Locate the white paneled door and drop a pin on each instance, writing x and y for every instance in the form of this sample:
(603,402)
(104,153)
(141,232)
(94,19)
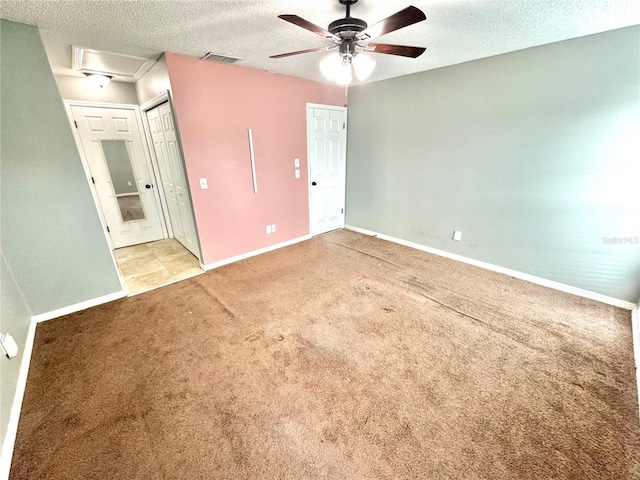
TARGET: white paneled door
(172,175)
(121,173)
(327,139)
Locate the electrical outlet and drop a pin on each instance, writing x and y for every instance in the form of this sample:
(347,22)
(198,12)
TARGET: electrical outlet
(203,184)
(273,228)
(268,229)
(297,173)
(9,346)
(296,163)
(457,235)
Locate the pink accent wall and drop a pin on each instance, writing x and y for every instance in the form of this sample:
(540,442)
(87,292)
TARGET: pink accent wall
(215,104)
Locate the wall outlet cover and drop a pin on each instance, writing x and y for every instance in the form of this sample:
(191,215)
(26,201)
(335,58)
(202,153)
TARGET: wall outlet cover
(273,228)
(203,184)
(9,345)
(457,235)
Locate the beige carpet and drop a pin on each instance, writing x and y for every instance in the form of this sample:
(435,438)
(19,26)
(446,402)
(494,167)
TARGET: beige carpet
(343,357)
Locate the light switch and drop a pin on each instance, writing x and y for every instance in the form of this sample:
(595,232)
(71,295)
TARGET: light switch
(297,173)
(203,184)
(296,163)
(457,235)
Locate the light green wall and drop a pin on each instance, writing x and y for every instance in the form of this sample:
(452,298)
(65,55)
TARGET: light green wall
(533,155)
(51,234)
(154,82)
(14,318)
(80,88)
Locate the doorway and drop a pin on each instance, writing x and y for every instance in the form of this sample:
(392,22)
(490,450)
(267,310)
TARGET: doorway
(150,265)
(326,145)
(124,179)
(121,173)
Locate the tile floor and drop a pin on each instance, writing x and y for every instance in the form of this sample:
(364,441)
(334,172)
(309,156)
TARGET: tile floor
(151,265)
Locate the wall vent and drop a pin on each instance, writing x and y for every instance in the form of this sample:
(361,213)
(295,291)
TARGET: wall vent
(215,57)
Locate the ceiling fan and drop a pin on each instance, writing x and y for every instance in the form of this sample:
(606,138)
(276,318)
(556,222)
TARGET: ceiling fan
(351,36)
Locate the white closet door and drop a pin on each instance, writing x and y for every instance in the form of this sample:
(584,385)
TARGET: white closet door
(172,174)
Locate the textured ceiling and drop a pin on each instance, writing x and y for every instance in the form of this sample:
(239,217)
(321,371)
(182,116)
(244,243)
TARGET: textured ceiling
(455,30)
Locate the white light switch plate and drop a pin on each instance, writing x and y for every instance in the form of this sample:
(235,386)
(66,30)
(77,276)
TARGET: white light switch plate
(296,163)
(297,173)
(203,184)
(457,235)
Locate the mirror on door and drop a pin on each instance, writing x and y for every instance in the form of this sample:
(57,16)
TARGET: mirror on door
(123,180)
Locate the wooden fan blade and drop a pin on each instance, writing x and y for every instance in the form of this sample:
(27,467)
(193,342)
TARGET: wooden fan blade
(307,25)
(401,19)
(400,50)
(308,50)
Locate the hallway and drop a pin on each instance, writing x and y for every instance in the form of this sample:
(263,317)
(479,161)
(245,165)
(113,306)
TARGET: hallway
(150,265)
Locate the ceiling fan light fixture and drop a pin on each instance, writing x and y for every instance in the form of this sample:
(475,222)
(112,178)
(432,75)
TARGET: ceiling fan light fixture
(99,79)
(363,66)
(350,33)
(343,72)
(330,65)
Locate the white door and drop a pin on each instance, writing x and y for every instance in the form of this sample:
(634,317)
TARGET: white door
(172,175)
(121,172)
(327,139)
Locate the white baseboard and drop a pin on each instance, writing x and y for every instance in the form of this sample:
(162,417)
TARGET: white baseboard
(14,416)
(78,306)
(635,328)
(616,302)
(244,256)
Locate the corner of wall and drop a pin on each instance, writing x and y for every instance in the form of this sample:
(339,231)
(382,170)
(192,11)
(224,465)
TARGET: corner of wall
(15,320)
(9,437)
(55,222)
(153,83)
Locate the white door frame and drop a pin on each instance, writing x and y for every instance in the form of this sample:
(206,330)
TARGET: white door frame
(145,107)
(85,162)
(342,138)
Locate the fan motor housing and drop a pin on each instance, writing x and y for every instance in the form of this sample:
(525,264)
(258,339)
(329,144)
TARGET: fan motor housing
(347,27)
(348,24)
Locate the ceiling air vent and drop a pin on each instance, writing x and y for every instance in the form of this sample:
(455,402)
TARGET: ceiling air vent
(214,57)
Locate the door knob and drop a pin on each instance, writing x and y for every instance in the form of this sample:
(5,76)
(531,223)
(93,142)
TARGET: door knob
(313,183)
(147,186)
